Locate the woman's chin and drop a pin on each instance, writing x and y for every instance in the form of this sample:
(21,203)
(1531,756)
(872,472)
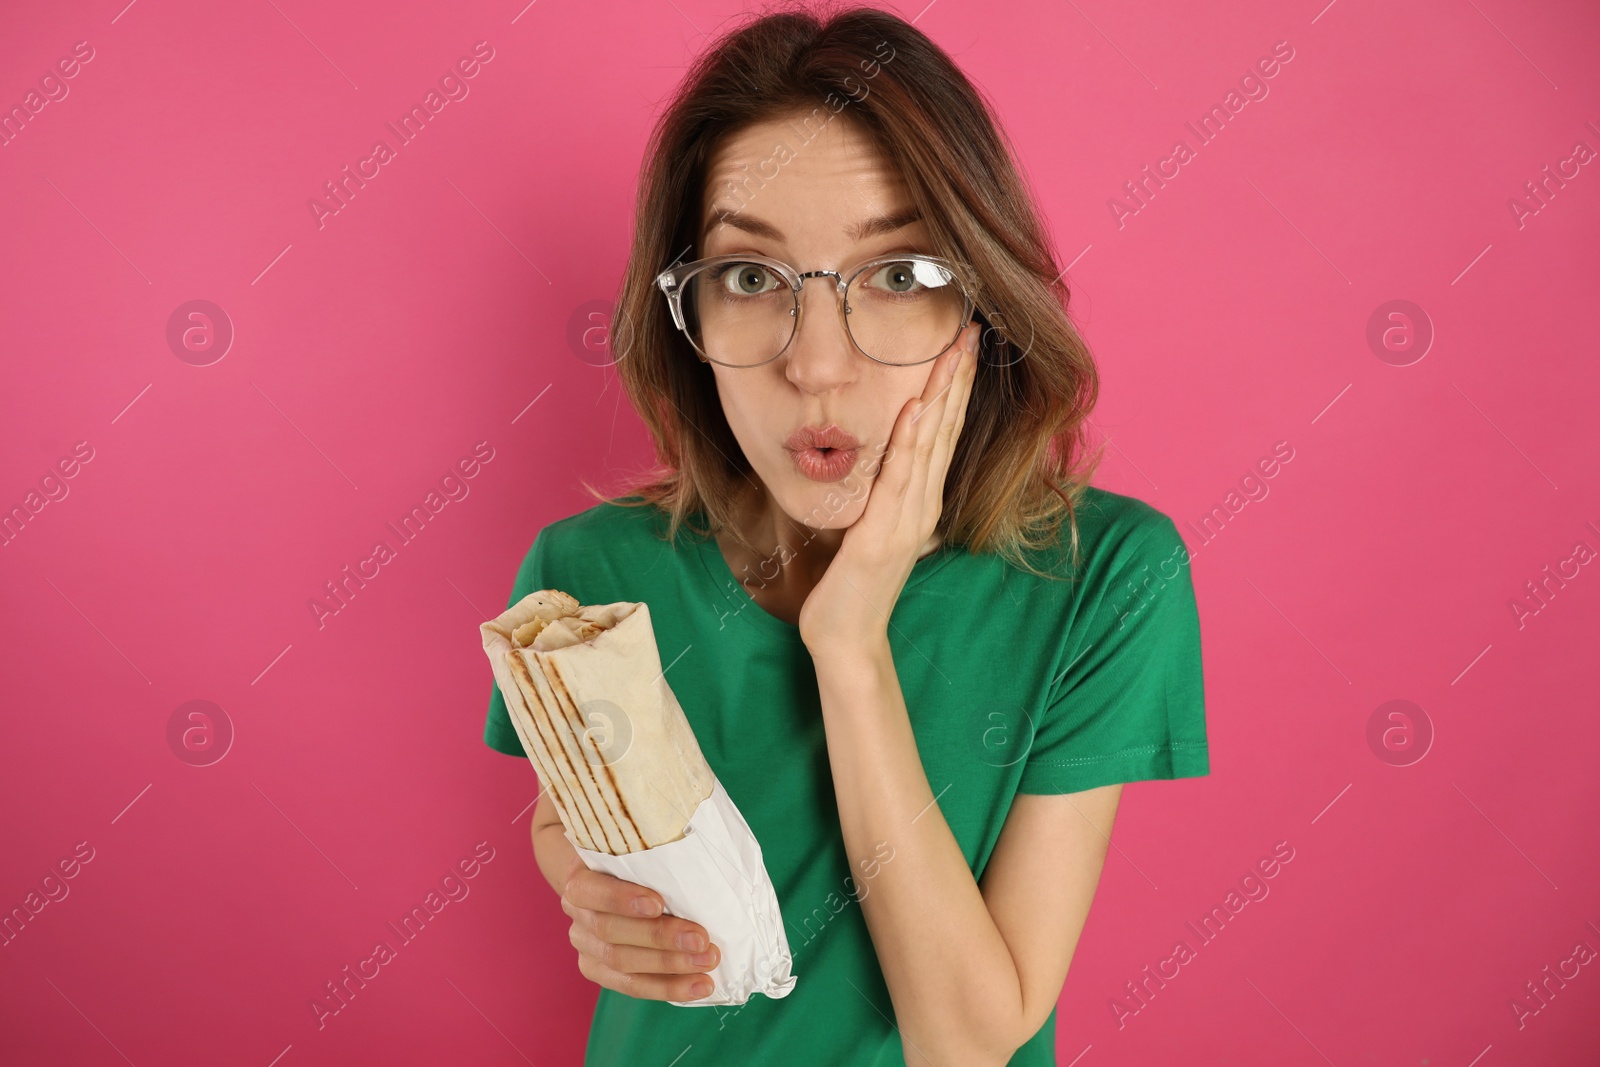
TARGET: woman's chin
(826,505)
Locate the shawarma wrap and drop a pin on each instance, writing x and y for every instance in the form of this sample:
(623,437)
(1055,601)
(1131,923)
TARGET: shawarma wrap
(585,690)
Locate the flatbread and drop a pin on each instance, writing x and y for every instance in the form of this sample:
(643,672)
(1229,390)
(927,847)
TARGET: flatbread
(587,695)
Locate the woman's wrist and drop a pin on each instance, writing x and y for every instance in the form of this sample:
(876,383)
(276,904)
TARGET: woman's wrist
(835,654)
(553,853)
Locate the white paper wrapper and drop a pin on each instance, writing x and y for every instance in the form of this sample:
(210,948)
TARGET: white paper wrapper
(633,792)
(715,876)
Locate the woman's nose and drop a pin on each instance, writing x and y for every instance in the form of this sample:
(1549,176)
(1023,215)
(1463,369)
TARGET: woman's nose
(821,355)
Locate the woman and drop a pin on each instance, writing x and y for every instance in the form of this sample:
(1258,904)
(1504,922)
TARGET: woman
(919,651)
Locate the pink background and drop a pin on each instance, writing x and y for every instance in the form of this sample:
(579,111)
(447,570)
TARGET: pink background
(372,353)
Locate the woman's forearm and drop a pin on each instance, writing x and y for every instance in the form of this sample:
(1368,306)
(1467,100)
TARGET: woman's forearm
(553,853)
(957,996)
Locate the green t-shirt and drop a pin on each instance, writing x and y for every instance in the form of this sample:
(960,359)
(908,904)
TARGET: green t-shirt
(1013,683)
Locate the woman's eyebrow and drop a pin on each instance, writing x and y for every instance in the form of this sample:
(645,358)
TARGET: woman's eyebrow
(861,231)
(882,224)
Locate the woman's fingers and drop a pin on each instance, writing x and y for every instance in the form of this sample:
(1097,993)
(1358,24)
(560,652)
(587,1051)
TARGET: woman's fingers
(955,417)
(635,960)
(914,430)
(931,424)
(599,891)
(931,405)
(646,986)
(635,950)
(666,933)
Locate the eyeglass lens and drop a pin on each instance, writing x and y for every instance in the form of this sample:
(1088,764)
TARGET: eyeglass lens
(906,311)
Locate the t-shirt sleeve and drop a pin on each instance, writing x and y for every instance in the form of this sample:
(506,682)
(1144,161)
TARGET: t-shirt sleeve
(498,733)
(1129,702)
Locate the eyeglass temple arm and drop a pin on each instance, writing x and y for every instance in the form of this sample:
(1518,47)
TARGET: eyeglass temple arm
(669,285)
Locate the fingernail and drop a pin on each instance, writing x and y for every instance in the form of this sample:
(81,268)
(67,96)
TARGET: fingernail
(703,959)
(646,906)
(691,942)
(701,988)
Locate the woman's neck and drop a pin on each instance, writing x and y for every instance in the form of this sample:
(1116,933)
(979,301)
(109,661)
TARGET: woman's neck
(779,538)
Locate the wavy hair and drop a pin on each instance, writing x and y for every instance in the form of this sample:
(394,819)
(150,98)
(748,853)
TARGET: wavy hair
(1021,464)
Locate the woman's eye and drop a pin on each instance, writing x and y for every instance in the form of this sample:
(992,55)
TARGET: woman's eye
(747,279)
(895,278)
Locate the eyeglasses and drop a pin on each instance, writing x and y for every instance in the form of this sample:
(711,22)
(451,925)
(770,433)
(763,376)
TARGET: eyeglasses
(744,310)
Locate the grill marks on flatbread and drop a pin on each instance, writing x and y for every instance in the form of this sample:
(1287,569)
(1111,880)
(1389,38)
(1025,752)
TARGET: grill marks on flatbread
(560,622)
(610,795)
(565,784)
(553,660)
(567,728)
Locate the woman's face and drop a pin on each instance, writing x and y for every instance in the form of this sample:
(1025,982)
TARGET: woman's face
(811,215)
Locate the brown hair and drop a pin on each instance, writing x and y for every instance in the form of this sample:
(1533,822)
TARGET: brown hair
(1019,468)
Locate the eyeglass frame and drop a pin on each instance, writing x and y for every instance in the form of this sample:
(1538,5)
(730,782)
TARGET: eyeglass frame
(671,283)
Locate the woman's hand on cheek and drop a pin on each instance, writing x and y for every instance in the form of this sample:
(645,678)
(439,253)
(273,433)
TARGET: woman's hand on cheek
(851,605)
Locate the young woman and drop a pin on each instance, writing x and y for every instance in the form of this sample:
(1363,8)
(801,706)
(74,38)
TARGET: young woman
(919,651)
